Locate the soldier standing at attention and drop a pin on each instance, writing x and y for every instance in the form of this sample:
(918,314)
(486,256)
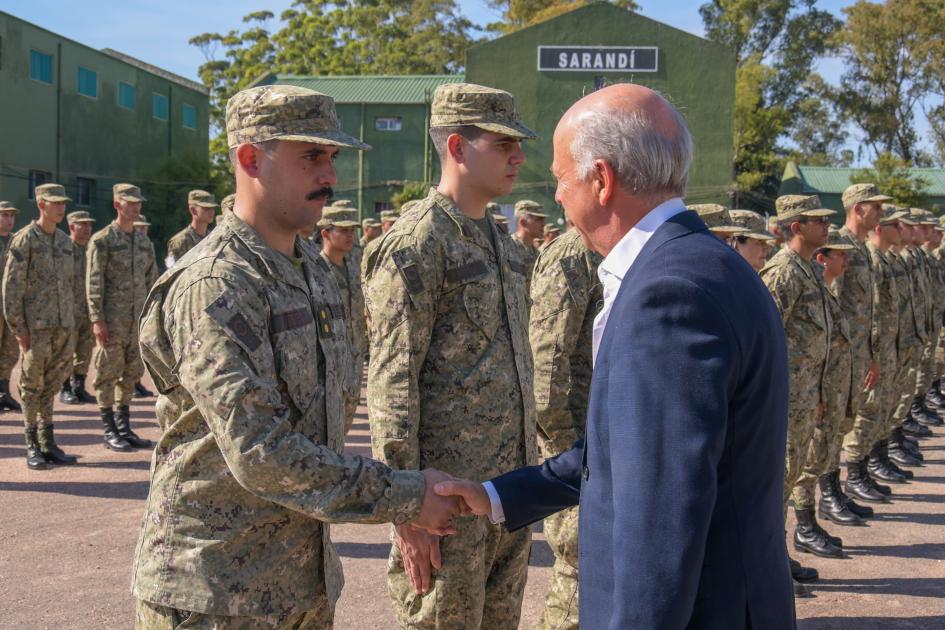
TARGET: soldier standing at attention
(799,294)
(9,349)
(121,270)
(73,390)
(249,357)
(450,374)
(337,227)
(529,224)
(202,206)
(551,232)
(38,307)
(566,296)
(754,244)
(388,219)
(371,229)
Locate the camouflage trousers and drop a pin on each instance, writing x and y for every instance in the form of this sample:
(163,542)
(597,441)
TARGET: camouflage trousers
(903,389)
(561,600)
(823,454)
(45,365)
(84,342)
(9,350)
(868,410)
(118,365)
(801,419)
(150,616)
(940,354)
(925,367)
(480,584)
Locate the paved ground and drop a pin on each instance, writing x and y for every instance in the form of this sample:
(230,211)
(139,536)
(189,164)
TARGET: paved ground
(67,536)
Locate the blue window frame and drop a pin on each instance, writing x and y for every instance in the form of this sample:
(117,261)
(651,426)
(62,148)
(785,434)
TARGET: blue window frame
(126,95)
(87,82)
(189,114)
(159,106)
(40,67)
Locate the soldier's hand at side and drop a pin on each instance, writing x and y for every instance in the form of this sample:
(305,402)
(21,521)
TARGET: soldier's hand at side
(474,497)
(872,377)
(100,329)
(420,552)
(436,512)
(24,342)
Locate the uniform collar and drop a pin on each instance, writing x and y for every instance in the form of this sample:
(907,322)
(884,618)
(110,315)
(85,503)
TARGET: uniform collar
(278,266)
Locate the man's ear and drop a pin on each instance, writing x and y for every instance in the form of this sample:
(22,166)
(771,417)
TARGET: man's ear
(603,181)
(248,156)
(456,148)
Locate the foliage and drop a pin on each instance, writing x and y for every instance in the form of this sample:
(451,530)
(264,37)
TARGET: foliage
(517,14)
(411,191)
(891,174)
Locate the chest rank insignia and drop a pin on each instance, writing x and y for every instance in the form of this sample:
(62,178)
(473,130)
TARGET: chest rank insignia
(324,321)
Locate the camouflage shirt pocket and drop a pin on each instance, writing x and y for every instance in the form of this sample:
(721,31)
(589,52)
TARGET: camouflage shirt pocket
(295,350)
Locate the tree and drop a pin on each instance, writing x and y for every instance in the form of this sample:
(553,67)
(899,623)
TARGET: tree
(819,134)
(776,43)
(329,37)
(410,191)
(517,14)
(886,51)
(891,174)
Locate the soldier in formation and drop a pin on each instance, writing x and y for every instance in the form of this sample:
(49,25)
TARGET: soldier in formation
(529,223)
(370,230)
(73,390)
(9,349)
(202,207)
(755,244)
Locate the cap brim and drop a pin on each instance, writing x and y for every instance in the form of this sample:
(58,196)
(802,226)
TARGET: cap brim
(206,204)
(341,224)
(331,138)
(56,199)
(840,247)
(127,197)
(877,198)
(819,212)
(760,236)
(729,229)
(516,130)
(10,210)
(82,221)
(907,221)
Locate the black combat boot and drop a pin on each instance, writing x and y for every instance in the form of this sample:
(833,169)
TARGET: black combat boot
(34,454)
(879,465)
(123,424)
(941,388)
(142,392)
(66,395)
(934,395)
(922,414)
(7,402)
(802,573)
(902,451)
(51,450)
(832,506)
(863,511)
(113,440)
(78,388)
(809,539)
(911,427)
(858,485)
(801,591)
(836,541)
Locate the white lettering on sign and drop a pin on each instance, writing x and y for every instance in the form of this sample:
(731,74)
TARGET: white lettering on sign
(590,58)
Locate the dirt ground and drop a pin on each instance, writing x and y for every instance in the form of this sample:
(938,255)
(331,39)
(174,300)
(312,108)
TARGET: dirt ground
(67,537)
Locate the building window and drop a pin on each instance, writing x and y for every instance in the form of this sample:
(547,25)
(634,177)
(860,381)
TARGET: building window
(38,178)
(159,106)
(126,95)
(87,83)
(380,206)
(40,67)
(387,124)
(86,192)
(189,114)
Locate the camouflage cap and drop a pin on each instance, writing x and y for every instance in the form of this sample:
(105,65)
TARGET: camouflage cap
(201,198)
(906,217)
(370,223)
(493,208)
(891,214)
(226,205)
(79,216)
(835,241)
(756,225)
(716,217)
(461,104)
(529,207)
(390,215)
(924,216)
(342,217)
(343,203)
(793,206)
(127,192)
(285,112)
(500,219)
(550,228)
(53,193)
(858,193)
(6,206)
(142,221)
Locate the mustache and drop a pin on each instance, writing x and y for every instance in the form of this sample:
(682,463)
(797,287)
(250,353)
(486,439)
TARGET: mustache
(323,192)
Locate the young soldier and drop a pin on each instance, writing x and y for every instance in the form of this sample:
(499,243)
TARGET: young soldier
(38,306)
(73,389)
(202,206)
(9,349)
(450,374)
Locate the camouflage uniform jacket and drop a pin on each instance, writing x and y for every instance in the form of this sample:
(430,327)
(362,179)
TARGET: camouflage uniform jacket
(838,381)
(121,270)
(938,256)
(450,376)
(4,248)
(936,288)
(907,336)
(248,355)
(856,290)
(348,278)
(529,254)
(37,281)
(566,295)
(183,242)
(920,297)
(798,293)
(885,307)
(79,254)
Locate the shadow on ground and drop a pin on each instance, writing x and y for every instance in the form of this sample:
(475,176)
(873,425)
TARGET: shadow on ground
(137,490)
(912,587)
(871,623)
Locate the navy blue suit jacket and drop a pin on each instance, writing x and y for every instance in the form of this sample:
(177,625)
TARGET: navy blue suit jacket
(680,479)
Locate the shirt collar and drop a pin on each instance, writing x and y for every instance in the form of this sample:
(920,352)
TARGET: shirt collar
(623,255)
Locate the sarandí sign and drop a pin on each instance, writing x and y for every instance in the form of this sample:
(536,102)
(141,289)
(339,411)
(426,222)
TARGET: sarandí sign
(598,58)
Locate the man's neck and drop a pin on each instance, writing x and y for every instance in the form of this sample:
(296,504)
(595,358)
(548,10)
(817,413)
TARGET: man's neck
(75,242)
(125,225)
(526,238)
(199,228)
(335,255)
(283,241)
(46,225)
(802,249)
(470,203)
(859,231)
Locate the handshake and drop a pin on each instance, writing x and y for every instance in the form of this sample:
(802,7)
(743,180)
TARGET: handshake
(444,497)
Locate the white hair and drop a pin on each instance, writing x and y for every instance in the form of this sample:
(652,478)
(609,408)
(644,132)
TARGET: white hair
(645,160)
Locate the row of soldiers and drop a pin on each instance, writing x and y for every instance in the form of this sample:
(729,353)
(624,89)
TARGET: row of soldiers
(863,309)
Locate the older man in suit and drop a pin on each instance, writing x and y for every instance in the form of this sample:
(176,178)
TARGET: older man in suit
(679,479)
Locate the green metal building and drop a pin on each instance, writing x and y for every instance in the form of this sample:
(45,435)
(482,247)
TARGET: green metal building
(547,67)
(828,183)
(88,118)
